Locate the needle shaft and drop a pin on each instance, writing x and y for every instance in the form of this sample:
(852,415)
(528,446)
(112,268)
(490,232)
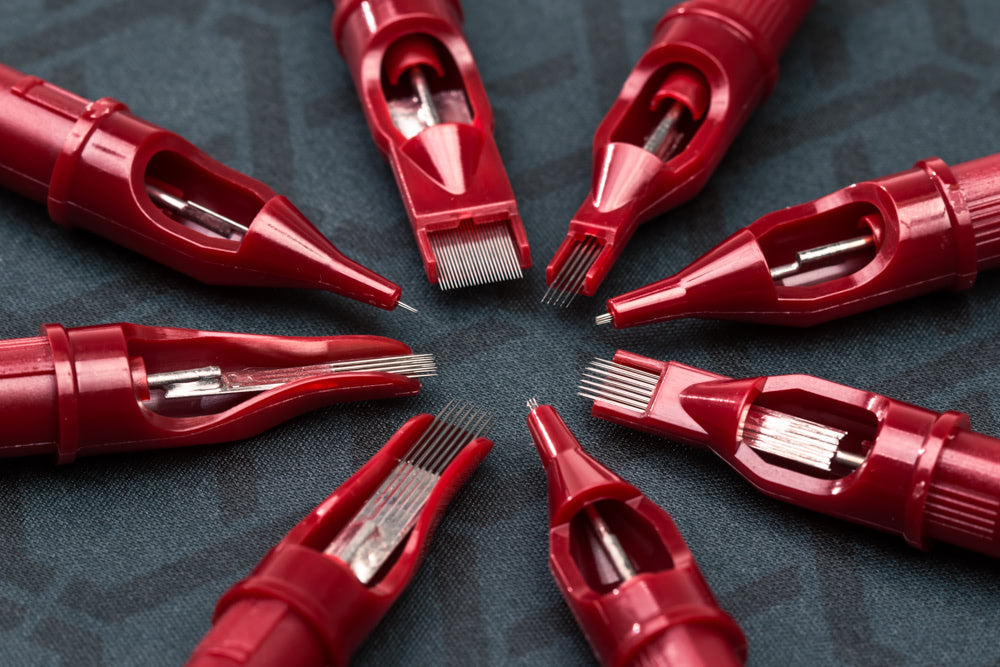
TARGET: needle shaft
(195,212)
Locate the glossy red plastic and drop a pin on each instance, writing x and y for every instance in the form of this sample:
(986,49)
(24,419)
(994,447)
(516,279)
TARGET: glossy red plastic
(934,228)
(91,163)
(300,606)
(718,58)
(449,174)
(925,475)
(665,614)
(84,391)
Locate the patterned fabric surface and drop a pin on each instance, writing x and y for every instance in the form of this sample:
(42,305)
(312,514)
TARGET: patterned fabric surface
(119,560)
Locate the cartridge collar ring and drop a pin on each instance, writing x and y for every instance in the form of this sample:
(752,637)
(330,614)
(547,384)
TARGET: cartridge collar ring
(72,150)
(65,379)
(749,34)
(297,568)
(703,615)
(966,263)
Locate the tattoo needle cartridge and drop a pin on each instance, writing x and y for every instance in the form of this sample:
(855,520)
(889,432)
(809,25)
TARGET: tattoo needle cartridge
(321,590)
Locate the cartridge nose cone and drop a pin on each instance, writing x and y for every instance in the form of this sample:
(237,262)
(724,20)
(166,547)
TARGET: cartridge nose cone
(550,433)
(449,153)
(731,281)
(622,175)
(718,407)
(572,473)
(289,251)
(658,302)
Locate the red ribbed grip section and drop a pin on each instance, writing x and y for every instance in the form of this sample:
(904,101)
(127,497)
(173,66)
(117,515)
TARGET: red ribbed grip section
(979,181)
(963,497)
(775,21)
(954,509)
(767,25)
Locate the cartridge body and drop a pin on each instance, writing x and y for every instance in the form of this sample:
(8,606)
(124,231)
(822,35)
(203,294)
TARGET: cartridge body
(96,166)
(303,606)
(711,63)
(85,391)
(894,466)
(429,115)
(643,601)
(926,229)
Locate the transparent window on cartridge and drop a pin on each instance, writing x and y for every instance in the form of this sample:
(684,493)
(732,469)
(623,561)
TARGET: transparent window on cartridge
(417,93)
(807,433)
(198,199)
(659,120)
(611,543)
(822,247)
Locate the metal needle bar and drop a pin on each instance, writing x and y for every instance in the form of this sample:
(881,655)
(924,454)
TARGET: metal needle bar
(848,459)
(195,212)
(423,90)
(609,542)
(805,258)
(161,380)
(665,136)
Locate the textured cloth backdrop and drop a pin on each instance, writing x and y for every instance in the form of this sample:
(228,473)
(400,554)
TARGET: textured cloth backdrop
(119,560)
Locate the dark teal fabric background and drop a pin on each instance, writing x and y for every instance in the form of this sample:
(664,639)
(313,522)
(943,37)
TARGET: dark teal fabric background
(119,560)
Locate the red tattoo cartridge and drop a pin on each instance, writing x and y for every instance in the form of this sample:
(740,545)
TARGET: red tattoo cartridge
(711,64)
(98,167)
(926,229)
(317,594)
(125,387)
(429,115)
(820,445)
(622,565)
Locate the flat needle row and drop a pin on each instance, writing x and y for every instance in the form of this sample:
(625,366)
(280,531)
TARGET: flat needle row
(371,536)
(475,255)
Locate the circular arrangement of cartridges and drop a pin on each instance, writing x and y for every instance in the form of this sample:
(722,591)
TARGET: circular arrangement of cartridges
(390,527)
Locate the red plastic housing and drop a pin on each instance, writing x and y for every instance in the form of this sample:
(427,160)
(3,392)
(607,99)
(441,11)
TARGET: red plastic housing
(92,162)
(450,174)
(719,59)
(933,228)
(300,606)
(84,391)
(665,614)
(924,474)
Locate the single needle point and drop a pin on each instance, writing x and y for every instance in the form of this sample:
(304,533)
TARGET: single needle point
(603,319)
(406,307)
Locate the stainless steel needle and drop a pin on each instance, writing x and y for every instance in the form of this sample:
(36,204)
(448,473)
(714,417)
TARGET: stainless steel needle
(423,90)
(609,542)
